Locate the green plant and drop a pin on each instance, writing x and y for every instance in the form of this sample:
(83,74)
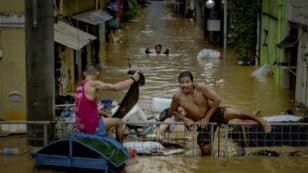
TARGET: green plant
(132,10)
(243,27)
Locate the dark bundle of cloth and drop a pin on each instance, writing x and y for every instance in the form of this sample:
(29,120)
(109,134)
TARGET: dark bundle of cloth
(131,97)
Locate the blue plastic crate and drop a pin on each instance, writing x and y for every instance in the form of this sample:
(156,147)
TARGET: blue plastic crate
(81,150)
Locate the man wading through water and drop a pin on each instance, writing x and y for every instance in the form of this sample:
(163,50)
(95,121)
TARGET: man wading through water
(202,105)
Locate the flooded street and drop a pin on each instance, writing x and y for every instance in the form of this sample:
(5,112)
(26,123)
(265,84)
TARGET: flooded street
(175,164)
(158,24)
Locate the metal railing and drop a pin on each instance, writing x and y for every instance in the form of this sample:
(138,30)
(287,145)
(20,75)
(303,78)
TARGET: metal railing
(225,140)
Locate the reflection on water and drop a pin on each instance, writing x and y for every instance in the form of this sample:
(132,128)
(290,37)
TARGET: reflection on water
(175,164)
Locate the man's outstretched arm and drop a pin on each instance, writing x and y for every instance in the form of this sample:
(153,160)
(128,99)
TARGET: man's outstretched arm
(117,86)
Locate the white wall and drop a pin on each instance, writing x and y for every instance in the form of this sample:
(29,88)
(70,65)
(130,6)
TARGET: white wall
(298,11)
(301,93)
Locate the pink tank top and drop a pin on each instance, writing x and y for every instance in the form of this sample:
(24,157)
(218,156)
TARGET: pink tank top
(86,111)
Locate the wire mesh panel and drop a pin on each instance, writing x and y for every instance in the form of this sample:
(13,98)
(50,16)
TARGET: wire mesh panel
(242,139)
(166,138)
(63,129)
(250,140)
(64,120)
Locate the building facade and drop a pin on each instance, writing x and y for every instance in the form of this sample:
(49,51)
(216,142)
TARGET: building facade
(76,43)
(273,31)
(12,61)
(298,19)
(284,45)
(85,26)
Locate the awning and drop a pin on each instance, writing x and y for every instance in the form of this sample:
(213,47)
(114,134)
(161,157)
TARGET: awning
(93,17)
(70,36)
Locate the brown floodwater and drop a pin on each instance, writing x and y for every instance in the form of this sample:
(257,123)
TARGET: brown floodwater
(158,24)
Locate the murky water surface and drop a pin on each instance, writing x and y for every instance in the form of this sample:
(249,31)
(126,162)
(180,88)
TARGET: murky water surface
(159,25)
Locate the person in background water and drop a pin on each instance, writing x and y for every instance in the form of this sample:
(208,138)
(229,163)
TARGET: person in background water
(87,117)
(202,104)
(158,50)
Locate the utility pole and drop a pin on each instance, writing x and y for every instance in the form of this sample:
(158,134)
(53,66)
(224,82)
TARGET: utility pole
(39,66)
(225,22)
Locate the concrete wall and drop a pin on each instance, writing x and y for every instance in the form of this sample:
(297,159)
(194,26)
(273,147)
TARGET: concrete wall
(12,65)
(275,23)
(9,6)
(67,70)
(301,92)
(12,73)
(298,14)
(71,7)
(298,11)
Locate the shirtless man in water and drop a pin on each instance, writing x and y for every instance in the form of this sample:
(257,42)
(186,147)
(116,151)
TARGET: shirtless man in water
(202,105)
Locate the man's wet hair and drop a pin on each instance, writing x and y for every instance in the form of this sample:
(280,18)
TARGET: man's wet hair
(91,69)
(186,74)
(158,45)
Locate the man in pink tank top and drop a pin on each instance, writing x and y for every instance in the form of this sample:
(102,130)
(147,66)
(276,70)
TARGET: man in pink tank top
(87,118)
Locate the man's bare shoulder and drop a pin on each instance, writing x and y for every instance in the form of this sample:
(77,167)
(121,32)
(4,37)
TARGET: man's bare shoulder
(94,83)
(200,85)
(177,95)
(203,88)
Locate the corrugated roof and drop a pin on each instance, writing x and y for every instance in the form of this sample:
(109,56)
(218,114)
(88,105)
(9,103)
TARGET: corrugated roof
(93,17)
(70,36)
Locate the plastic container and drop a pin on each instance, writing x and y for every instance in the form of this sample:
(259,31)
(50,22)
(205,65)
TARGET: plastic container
(114,6)
(159,104)
(10,151)
(262,71)
(132,153)
(135,114)
(113,23)
(107,104)
(66,114)
(208,53)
